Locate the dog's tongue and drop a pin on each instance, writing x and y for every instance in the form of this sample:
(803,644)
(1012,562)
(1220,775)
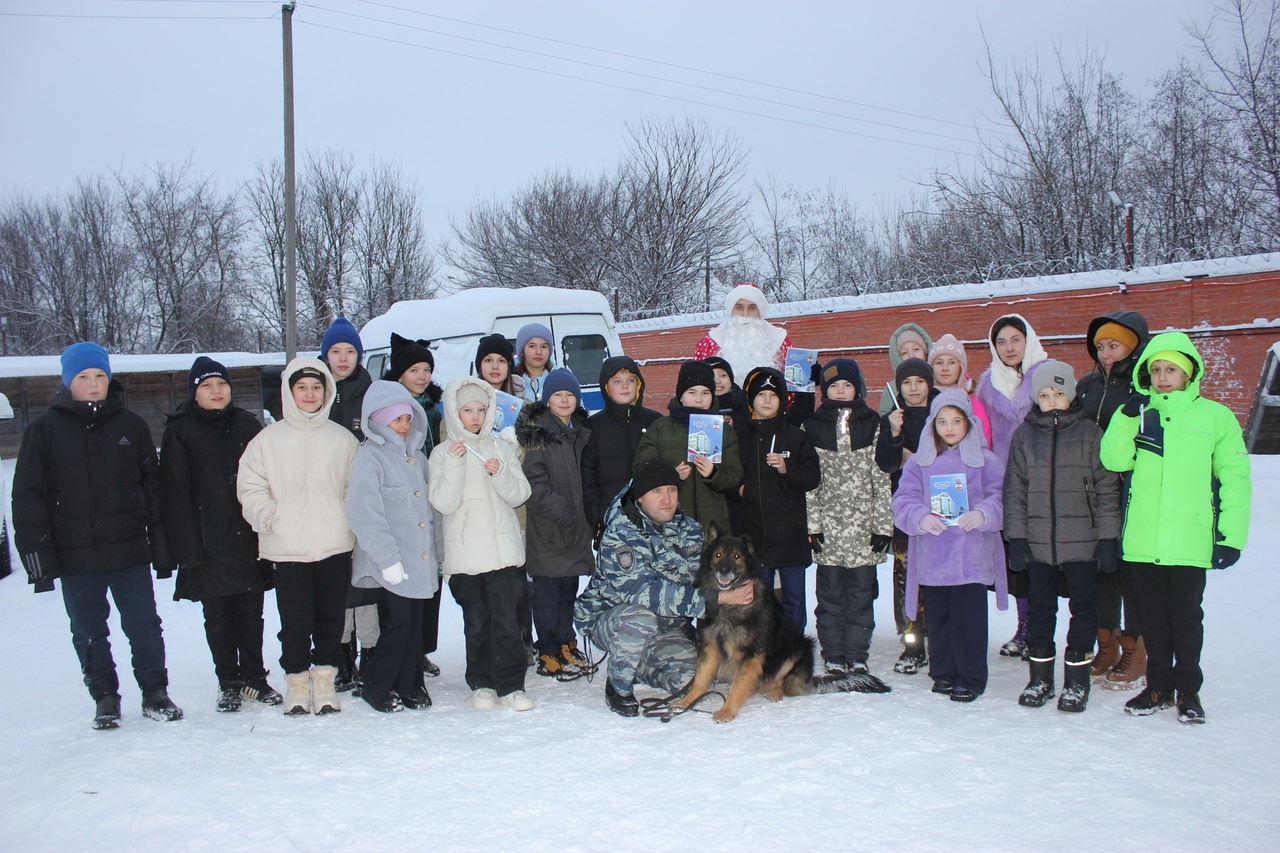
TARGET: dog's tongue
(725,583)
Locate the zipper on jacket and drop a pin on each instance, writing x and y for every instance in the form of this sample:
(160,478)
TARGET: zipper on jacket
(1088,499)
(1053,492)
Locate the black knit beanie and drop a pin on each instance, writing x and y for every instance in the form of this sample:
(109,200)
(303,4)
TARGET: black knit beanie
(405,354)
(694,373)
(651,474)
(495,343)
(205,368)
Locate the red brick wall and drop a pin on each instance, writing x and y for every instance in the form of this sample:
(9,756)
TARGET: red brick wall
(1233,357)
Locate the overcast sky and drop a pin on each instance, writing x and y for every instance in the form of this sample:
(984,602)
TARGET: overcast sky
(472,99)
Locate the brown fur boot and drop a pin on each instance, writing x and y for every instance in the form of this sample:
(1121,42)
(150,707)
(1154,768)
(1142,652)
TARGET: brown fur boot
(1108,651)
(1130,672)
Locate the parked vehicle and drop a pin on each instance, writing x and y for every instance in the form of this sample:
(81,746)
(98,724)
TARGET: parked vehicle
(580,321)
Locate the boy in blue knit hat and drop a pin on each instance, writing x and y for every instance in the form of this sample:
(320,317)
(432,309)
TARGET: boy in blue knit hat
(342,350)
(86,510)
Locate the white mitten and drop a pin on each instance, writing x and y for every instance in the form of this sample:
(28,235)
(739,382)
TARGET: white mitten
(394,574)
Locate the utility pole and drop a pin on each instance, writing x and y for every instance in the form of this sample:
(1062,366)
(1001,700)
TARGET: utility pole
(290,197)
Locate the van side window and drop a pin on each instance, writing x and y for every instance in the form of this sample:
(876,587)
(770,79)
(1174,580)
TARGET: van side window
(583,355)
(377,364)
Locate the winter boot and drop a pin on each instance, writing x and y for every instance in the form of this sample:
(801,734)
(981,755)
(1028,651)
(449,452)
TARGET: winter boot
(1108,651)
(229,696)
(571,654)
(1017,645)
(417,699)
(1040,688)
(555,666)
(323,697)
(913,657)
(156,703)
(623,704)
(429,669)
(1131,670)
(106,694)
(297,693)
(1148,702)
(347,669)
(390,704)
(860,680)
(258,690)
(1189,708)
(1075,681)
(366,655)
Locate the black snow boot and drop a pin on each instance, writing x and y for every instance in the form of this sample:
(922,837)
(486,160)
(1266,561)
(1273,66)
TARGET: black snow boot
(156,703)
(624,704)
(229,696)
(1040,688)
(106,693)
(346,667)
(366,655)
(417,699)
(1075,681)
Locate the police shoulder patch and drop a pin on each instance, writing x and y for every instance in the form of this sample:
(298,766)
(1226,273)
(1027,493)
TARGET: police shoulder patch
(626,558)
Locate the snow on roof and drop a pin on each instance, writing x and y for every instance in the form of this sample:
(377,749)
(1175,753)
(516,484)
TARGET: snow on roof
(473,311)
(979,290)
(14,367)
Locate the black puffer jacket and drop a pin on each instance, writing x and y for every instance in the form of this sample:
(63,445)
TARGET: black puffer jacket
(216,549)
(557,534)
(889,450)
(86,490)
(615,433)
(1057,494)
(1100,395)
(346,405)
(774,509)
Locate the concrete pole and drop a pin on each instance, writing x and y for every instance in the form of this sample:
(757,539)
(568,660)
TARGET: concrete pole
(290,196)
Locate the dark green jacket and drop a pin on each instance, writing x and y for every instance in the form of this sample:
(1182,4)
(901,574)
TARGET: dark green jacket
(701,497)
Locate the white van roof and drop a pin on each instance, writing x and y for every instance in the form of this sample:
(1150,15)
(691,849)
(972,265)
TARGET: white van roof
(473,312)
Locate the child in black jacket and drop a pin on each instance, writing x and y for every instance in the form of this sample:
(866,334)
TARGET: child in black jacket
(86,510)
(899,438)
(779,466)
(615,433)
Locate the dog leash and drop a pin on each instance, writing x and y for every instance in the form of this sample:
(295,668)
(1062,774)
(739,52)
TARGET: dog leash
(664,709)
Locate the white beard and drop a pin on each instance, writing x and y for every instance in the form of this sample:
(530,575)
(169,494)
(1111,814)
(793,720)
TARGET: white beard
(747,343)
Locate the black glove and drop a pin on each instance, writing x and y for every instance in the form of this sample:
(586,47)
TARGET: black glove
(815,374)
(163,572)
(41,567)
(815,542)
(881,543)
(1224,556)
(1105,554)
(1133,406)
(1019,554)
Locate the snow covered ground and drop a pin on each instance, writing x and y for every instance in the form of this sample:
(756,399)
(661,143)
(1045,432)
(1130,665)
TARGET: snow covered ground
(904,771)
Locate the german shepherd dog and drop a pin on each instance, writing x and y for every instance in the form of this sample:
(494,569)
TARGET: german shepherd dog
(753,646)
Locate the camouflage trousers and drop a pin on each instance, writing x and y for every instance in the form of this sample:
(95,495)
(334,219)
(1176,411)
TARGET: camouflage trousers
(646,648)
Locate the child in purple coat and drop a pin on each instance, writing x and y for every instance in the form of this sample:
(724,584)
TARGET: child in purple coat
(949,504)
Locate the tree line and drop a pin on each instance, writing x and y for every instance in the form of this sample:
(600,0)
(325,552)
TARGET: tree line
(170,262)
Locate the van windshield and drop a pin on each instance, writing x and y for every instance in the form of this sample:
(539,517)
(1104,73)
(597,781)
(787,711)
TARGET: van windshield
(583,355)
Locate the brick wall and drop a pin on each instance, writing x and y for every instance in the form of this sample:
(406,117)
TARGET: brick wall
(1219,313)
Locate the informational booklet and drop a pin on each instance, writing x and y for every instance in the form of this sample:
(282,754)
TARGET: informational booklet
(509,407)
(799,368)
(706,437)
(949,496)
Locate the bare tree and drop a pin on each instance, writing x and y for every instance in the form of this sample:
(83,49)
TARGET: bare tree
(329,196)
(186,239)
(555,232)
(678,211)
(1246,83)
(392,257)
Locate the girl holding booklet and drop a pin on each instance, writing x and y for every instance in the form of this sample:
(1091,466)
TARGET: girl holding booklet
(949,501)
(780,467)
(703,483)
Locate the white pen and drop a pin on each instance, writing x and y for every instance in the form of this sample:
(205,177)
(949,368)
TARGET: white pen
(475,453)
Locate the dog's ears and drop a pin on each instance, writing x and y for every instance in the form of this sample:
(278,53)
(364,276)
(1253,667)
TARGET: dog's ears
(713,532)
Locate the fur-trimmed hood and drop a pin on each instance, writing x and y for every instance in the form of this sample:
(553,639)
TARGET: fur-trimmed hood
(537,428)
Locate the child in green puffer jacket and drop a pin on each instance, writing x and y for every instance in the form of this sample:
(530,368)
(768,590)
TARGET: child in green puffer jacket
(1188,511)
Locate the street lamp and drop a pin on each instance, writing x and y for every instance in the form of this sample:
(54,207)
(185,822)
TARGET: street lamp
(1114,198)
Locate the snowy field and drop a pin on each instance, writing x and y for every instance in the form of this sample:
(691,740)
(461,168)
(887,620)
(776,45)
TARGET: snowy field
(904,771)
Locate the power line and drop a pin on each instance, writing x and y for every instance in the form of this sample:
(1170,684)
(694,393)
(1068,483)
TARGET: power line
(642,75)
(670,65)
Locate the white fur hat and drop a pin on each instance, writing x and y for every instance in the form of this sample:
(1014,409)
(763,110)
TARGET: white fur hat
(749,292)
